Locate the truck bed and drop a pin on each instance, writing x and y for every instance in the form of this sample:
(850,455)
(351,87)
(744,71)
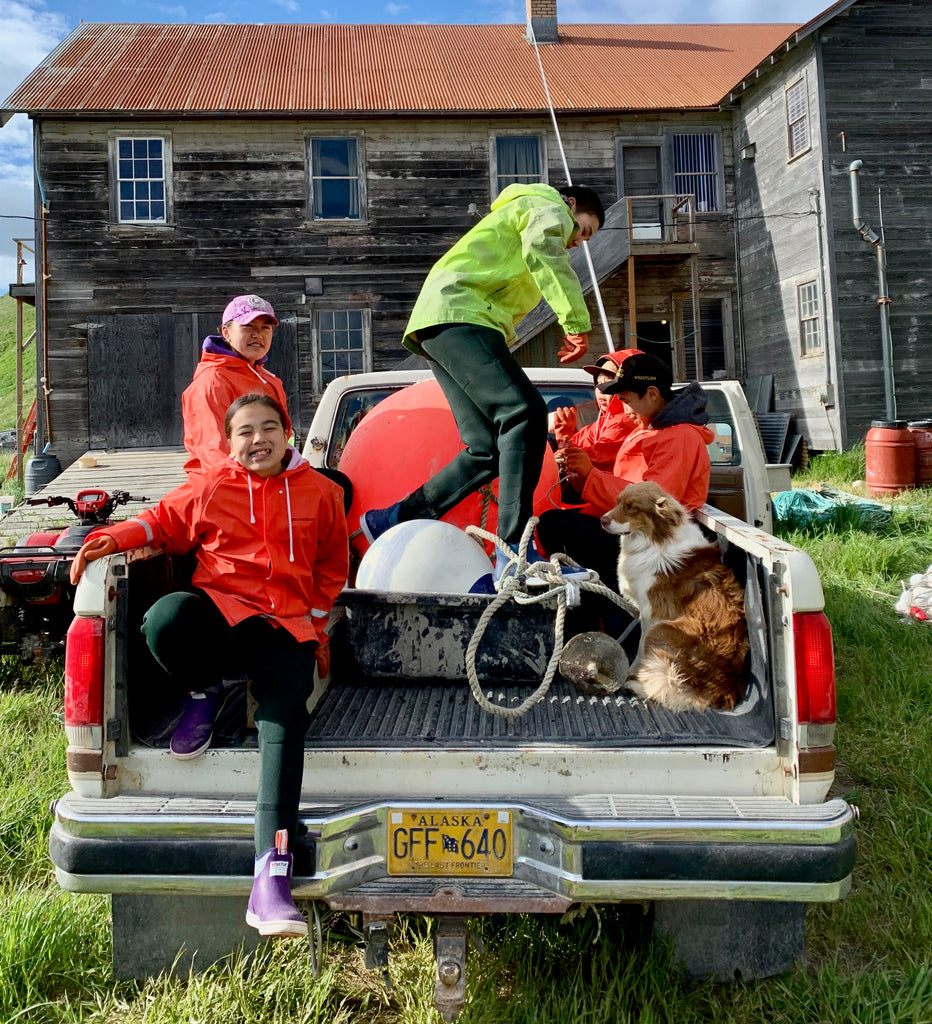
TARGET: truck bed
(424,715)
(371,703)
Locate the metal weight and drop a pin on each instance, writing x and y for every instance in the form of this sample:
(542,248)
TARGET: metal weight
(595,663)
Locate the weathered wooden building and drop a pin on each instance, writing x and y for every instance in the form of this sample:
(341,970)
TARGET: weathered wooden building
(324,173)
(854,84)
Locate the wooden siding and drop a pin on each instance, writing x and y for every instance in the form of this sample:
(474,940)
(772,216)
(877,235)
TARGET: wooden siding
(878,96)
(778,232)
(239,225)
(870,98)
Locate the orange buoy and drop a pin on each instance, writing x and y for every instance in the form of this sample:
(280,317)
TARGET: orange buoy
(405,440)
(890,457)
(922,438)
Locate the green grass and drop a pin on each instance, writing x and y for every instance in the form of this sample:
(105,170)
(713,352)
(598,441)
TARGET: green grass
(869,956)
(8,361)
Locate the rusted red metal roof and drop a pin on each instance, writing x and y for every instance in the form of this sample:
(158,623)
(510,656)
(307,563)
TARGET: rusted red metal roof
(314,68)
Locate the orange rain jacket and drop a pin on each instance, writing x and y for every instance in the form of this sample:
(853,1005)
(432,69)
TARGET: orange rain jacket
(218,380)
(275,547)
(671,451)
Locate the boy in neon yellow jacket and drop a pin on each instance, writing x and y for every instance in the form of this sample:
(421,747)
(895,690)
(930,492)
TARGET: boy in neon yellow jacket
(462,323)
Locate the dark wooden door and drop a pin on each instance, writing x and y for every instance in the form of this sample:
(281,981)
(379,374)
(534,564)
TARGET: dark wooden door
(138,364)
(642,178)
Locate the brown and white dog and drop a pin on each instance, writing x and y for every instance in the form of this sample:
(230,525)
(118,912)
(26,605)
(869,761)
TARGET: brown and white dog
(694,637)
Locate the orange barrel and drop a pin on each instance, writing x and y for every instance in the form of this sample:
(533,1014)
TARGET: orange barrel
(922,438)
(891,457)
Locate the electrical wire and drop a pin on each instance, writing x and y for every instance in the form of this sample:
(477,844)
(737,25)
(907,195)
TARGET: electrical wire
(569,180)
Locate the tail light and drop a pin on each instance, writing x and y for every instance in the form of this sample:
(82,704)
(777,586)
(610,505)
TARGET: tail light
(84,682)
(815,668)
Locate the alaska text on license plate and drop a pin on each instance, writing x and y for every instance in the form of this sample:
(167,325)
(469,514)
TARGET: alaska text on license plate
(428,841)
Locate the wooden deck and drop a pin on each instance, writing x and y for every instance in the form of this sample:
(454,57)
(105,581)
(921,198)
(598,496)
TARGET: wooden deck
(148,473)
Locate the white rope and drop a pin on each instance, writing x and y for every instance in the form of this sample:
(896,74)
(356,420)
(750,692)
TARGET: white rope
(603,316)
(513,586)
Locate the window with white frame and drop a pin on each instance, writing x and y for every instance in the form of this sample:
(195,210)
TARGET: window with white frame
(807,298)
(696,168)
(141,168)
(517,159)
(342,336)
(336,178)
(797,118)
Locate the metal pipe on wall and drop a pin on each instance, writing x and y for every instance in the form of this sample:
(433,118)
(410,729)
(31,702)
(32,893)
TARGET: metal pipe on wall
(883,300)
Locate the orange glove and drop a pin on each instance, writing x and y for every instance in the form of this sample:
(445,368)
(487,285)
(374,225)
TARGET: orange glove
(574,347)
(564,423)
(97,547)
(575,466)
(322,656)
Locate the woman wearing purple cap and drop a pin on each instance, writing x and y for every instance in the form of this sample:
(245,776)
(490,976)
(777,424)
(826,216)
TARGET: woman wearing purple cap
(232,364)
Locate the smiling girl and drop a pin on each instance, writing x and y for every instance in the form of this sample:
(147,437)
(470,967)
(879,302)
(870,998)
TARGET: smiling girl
(270,541)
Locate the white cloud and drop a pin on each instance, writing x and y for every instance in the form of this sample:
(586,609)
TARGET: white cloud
(28,32)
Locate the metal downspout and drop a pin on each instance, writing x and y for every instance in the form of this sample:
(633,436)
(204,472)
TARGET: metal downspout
(883,300)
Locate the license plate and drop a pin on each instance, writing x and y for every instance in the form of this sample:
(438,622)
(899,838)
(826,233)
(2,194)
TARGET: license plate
(460,842)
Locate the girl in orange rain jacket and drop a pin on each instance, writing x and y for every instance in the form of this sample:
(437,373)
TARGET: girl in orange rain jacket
(269,535)
(232,364)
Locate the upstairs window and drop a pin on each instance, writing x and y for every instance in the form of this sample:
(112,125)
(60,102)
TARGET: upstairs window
(807,297)
(141,178)
(336,178)
(696,169)
(343,345)
(797,118)
(517,159)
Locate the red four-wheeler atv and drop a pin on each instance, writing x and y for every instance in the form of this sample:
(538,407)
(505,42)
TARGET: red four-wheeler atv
(36,595)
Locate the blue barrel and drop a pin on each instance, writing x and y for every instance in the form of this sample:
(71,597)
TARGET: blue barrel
(40,470)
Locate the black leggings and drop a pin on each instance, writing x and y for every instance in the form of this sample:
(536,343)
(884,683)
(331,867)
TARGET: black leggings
(191,640)
(502,420)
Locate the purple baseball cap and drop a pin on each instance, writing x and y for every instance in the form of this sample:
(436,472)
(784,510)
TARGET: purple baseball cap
(245,308)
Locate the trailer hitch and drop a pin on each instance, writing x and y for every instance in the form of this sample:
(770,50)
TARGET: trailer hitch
(451,944)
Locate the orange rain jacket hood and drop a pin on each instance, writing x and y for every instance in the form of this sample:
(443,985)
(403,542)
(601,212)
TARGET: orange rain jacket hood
(275,547)
(219,379)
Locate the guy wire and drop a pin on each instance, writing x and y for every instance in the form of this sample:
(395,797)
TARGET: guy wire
(569,180)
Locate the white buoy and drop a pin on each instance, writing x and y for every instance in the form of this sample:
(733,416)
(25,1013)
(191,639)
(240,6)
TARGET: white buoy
(423,556)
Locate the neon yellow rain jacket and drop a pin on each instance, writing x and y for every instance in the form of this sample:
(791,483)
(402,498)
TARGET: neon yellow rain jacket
(498,271)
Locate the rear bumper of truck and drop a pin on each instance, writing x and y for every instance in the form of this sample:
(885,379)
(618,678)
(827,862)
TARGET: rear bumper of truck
(567,850)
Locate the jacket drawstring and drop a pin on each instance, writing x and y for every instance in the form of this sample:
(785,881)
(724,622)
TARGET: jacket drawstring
(256,372)
(252,513)
(290,533)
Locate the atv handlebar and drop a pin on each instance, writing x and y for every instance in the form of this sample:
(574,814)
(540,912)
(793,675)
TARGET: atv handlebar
(90,506)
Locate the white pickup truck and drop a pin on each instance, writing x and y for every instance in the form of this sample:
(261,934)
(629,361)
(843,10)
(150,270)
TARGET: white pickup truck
(719,822)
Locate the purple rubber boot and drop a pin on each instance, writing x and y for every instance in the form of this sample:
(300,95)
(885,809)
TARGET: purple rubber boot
(195,730)
(271,909)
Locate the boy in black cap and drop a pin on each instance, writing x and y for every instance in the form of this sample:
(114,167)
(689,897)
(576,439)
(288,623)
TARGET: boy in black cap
(670,448)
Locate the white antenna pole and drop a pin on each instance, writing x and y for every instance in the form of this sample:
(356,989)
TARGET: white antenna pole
(569,180)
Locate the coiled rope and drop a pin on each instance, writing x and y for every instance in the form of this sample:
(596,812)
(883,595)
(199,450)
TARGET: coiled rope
(554,587)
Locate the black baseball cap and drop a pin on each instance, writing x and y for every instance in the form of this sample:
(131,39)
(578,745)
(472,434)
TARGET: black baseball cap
(637,373)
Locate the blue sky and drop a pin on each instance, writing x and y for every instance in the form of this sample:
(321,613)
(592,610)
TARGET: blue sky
(30,29)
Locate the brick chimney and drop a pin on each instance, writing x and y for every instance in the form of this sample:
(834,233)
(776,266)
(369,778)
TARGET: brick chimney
(542,20)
